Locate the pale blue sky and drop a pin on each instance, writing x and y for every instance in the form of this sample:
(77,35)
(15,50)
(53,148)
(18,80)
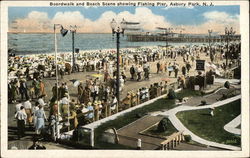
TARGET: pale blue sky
(177,16)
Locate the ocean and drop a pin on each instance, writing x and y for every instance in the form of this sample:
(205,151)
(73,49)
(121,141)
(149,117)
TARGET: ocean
(26,43)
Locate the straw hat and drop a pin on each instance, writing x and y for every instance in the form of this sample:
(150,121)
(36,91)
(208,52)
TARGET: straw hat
(89,104)
(82,105)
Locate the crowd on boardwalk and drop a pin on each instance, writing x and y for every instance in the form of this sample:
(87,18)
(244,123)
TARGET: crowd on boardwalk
(27,75)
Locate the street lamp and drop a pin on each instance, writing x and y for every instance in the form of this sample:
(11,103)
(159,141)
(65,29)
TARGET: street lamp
(167,32)
(228,34)
(73,31)
(63,33)
(117,30)
(209,38)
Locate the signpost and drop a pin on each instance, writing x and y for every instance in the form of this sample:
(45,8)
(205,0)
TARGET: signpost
(200,65)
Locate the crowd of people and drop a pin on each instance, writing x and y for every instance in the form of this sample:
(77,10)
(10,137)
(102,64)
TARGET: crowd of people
(26,81)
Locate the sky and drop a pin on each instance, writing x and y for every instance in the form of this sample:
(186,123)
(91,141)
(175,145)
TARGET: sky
(97,19)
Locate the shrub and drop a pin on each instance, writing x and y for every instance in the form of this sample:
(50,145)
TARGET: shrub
(227,95)
(180,99)
(138,115)
(210,79)
(163,125)
(190,82)
(203,102)
(227,85)
(187,138)
(171,94)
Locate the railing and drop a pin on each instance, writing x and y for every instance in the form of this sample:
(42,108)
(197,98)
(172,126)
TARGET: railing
(172,141)
(134,99)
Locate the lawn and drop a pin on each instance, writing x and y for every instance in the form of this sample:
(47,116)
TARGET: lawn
(161,104)
(211,128)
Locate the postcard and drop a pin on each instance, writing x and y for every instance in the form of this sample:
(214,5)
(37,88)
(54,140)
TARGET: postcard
(124,78)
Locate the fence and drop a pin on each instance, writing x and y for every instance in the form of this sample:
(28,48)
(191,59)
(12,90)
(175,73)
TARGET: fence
(128,141)
(172,141)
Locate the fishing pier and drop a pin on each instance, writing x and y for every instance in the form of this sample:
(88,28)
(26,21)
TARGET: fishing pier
(180,38)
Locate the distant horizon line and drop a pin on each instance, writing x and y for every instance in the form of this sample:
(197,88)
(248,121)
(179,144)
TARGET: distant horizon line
(91,33)
(58,32)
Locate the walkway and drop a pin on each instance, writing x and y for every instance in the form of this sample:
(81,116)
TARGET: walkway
(222,80)
(129,134)
(232,126)
(171,114)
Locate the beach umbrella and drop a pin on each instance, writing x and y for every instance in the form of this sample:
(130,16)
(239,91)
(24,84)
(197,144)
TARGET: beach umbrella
(217,72)
(75,82)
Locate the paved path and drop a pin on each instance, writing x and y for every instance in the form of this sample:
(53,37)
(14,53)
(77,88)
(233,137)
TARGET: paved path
(179,126)
(222,80)
(231,126)
(132,131)
(210,99)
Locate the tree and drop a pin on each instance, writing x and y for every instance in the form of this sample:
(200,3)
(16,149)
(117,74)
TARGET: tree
(171,94)
(163,125)
(227,85)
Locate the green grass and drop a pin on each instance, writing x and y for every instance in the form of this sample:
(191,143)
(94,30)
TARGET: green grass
(211,128)
(161,104)
(239,127)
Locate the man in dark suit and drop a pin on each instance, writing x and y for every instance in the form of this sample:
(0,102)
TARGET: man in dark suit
(23,90)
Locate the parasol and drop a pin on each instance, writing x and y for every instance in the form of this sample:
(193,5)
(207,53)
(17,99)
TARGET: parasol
(75,82)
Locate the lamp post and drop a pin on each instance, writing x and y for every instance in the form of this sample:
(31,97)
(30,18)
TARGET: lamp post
(73,31)
(228,34)
(118,30)
(63,33)
(209,42)
(167,32)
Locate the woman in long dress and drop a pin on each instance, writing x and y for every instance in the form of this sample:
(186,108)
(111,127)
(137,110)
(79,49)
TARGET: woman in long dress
(40,117)
(34,109)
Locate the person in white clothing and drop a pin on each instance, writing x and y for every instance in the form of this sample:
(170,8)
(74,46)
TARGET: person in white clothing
(121,83)
(34,109)
(18,106)
(41,101)
(113,103)
(27,106)
(21,120)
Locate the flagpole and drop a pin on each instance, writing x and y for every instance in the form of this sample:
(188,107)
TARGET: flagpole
(58,131)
